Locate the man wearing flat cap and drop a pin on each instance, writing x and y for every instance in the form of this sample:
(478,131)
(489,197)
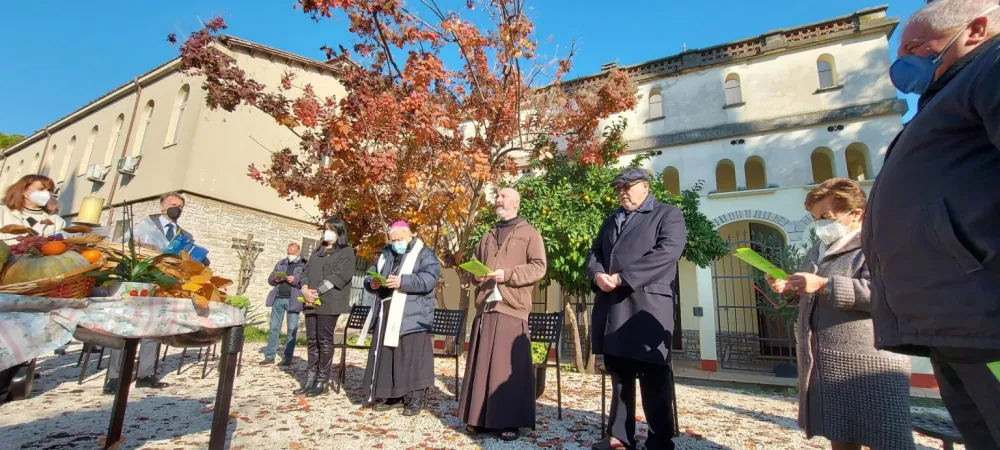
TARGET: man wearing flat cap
(632,265)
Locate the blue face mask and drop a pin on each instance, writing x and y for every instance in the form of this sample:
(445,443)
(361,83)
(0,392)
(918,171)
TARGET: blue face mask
(399,247)
(913,74)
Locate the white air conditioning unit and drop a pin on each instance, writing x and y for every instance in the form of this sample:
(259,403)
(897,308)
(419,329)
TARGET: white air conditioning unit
(128,165)
(97,173)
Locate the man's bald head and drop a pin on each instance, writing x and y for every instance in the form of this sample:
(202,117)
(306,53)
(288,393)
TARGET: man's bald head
(508,204)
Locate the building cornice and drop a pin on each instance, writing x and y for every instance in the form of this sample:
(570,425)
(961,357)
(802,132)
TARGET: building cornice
(863,22)
(796,121)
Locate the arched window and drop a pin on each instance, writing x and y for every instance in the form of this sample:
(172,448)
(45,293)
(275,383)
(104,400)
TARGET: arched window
(858,162)
(822,165)
(64,168)
(734,93)
(725,176)
(20,168)
(672,180)
(140,136)
(827,70)
(655,104)
(756,173)
(177,118)
(5,178)
(49,159)
(87,152)
(116,133)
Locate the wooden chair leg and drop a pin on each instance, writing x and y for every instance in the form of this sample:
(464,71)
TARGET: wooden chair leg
(166,349)
(156,360)
(204,369)
(86,350)
(199,353)
(100,358)
(184,352)
(86,359)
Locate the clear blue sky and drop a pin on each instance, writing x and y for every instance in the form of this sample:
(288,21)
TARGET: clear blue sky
(59,56)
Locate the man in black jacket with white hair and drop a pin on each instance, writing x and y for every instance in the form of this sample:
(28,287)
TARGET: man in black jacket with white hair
(932,227)
(632,265)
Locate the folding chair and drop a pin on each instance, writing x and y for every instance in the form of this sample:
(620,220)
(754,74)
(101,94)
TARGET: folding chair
(356,321)
(546,328)
(604,400)
(450,323)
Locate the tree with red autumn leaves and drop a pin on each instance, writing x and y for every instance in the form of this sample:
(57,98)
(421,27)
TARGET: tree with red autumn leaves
(413,139)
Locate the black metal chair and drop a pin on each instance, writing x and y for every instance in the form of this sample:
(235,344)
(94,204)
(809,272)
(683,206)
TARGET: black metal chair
(546,328)
(937,428)
(604,401)
(450,323)
(356,321)
(85,359)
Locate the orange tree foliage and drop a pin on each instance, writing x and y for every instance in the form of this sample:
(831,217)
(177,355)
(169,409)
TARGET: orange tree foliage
(413,139)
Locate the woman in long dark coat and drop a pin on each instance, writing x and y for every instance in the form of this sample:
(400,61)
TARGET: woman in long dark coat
(849,392)
(326,287)
(401,359)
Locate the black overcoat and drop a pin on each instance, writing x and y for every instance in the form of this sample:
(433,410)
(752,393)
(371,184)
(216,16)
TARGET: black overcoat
(636,320)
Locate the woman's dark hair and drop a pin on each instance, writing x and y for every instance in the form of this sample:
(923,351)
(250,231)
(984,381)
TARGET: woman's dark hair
(337,225)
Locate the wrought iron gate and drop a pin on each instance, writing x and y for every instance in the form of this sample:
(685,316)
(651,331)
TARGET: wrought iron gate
(754,327)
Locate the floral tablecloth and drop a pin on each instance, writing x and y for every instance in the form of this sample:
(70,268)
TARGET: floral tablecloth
(34,326)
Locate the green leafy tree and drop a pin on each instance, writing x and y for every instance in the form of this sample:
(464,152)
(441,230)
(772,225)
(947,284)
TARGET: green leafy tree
(6,140)
(568,200)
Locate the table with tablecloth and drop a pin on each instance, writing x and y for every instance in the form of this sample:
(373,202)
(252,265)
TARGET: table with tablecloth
(35,326)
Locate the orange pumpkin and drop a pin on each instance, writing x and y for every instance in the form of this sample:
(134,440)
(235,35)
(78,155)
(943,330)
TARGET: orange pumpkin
(53,248)
(91,255)
(31,268)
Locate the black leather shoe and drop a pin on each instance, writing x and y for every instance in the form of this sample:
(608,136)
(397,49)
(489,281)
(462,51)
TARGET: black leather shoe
(414,407)
(285,362)
(387,405)
(267,361)
(111,387)
(318,389)
(306,386)
(149,382)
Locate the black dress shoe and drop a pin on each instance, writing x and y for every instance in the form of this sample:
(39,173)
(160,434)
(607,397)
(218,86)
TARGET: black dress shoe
(386,405)
(111,386)
(285,362)
(149,382)
(413,408)
(318,389)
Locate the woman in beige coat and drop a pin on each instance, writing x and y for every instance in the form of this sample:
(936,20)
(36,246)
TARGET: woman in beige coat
(849,392)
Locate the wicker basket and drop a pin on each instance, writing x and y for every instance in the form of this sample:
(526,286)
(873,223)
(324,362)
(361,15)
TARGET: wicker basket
(75,284)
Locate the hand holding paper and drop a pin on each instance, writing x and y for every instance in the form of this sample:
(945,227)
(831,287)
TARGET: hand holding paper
(376,276)
(754,259)
(476,268)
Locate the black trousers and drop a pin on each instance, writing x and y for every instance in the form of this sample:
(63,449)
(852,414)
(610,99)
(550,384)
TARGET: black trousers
(654,384)
(319,331)
(971,393)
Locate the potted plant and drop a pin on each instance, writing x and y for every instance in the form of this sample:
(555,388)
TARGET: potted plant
(539,354)
(132,275)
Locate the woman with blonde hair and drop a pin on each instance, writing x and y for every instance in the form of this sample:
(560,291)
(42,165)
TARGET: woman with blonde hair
(25,202)
(849,392)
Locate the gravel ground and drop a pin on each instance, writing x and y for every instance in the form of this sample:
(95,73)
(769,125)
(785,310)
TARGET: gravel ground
(61,414)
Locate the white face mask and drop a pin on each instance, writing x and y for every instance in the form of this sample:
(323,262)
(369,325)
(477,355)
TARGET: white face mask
(330,236)
(293,258)
(40,198)
(830,231)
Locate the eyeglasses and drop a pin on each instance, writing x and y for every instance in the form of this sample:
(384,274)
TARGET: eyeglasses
(625,187)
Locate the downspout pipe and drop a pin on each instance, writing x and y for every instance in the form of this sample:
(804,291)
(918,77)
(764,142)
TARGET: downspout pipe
(128,137)
(45,150)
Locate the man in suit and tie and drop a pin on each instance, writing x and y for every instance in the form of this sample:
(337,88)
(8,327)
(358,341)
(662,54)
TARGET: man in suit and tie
(632,265)
(171,207)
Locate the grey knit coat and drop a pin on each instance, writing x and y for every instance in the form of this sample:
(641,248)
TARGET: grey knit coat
(848,390)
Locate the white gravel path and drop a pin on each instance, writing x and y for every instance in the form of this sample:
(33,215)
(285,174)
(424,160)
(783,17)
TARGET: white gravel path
(61,414)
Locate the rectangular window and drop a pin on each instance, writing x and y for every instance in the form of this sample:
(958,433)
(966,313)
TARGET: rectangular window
(308,247)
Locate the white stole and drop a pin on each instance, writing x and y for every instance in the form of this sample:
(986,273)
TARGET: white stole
(395,318)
